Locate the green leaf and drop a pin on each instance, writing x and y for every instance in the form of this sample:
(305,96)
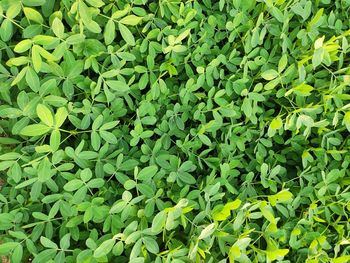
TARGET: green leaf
(97,122)
(318,57)
(282,63)
(207,231)
(33,15)
(10,113)
(58,27)
(158,222)
(48,243)
(109,33)
(95,140)
(126,34)
(147,173)
(17,254)
(35,130)
(60,117)
(44,114)
(75,39)
(151,245)
(33,2)
(269,74)
(109,125)
(65,241)
(282,196)
(333,176)
(55,140)
(36,58)
(346,120)
(223,213)
(6,30)
(276,254)
(73,185)
(23,46)
(96,3)
(9,156)
(128,129)
(276,123)
(303,89)
(205,139)
(277,14)
(131,20)
(45,256)
(7,247)
(13,10)
(118,86)
(26,183)
(19,76)
(32,79)
(96,183)
(104,248)
(108,137)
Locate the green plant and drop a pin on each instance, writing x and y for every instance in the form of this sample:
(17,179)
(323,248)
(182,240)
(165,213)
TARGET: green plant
(174,131)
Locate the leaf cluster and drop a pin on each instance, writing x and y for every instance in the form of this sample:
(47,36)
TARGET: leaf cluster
(174,131)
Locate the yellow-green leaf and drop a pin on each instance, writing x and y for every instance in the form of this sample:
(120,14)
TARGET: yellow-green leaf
(58,27)
(276,123)
(36,58)
(269,74)
(60,116)
(33,15)
(277,254)
(35,130)
(44,114)
(23,46)
(282,196)
(346,120)
(303,89)
(131,20)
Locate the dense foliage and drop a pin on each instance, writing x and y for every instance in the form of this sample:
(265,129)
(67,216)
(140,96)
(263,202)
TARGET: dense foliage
(174,131)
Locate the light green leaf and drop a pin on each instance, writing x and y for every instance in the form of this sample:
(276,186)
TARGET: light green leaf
(276,123)
(147,173)
(207,231)
(282,196)
(36,58)
(58,27)
(269,74)
(6,30)
(109,33)
(55,140)
(32,79)
(7,247)
(126,34)
(35,130)
(151,245)
(33,15)
(158,222)
(73,185)
(47,243)
(131,20)
(346,120)
(60,116)
(104,248)
(118,85)
(44,114)
(23,46)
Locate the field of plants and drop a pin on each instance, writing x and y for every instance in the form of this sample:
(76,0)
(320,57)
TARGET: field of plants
(174,131)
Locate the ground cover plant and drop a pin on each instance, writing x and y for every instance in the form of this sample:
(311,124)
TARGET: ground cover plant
(174,131)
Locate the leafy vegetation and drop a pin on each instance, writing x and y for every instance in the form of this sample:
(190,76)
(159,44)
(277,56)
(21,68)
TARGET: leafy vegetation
(174,131)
